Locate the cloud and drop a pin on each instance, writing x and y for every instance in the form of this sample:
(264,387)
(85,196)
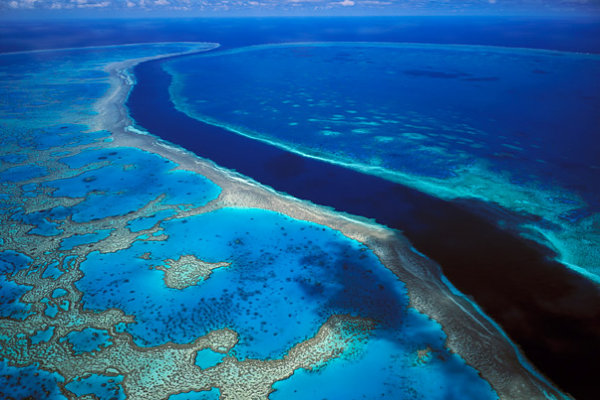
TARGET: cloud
(376,2)
(344,3)
(22,4)
(103,4)
(239,7)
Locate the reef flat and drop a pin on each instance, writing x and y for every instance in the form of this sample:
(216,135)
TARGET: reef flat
(187,271)
(91,207)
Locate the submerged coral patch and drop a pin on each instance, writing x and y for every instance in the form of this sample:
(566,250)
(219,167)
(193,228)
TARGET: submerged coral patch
(87,340)
(187,271)
(102,387)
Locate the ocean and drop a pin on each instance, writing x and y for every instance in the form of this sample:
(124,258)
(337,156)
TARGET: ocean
(484,157)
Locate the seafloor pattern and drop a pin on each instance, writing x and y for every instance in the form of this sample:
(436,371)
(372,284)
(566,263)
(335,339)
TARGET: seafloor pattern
(124,275)
(513,127)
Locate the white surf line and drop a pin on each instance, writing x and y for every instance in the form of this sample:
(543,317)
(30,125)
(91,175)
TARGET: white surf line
(524,362)
(123,71)
(133,129)
(121,80)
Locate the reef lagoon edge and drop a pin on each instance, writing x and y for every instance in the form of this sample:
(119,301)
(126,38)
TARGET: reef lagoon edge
(571,241)
(470,334)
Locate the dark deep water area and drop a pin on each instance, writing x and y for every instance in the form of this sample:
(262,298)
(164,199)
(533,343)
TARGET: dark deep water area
(550,311)
(566,34)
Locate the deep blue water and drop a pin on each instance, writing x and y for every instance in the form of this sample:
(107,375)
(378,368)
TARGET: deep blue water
(579,34)
(421,110)
(286,276)
(537,301)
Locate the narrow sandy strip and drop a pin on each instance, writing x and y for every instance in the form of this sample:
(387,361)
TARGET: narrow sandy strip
(473,336)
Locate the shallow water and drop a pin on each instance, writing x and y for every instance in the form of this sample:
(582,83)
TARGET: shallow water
(28,382)
(286,277)
(92,285)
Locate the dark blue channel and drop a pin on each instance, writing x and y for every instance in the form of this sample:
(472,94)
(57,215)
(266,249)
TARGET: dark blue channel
(548,310)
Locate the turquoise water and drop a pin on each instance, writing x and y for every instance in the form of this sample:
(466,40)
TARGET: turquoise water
(22,173)
(130,179)
(514,127)
(286,278)
(87,340)
(207,358)
(103,387)
(28,382)
(385,369)
(85,224)
(42,335)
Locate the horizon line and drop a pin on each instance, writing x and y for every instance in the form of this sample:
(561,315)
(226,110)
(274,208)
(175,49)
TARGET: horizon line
(48,14)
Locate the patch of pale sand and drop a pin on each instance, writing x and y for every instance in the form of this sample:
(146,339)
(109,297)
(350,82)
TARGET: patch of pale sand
(187,271)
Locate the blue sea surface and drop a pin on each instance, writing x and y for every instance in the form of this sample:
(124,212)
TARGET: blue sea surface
(89,339)
(420,109)
(39,384)
(43,335)
(10,292)
(286,276)
(207,358)
(513,127)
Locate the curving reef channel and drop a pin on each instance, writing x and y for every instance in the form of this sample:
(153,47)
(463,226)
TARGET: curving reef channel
(548,309)
(132,269)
